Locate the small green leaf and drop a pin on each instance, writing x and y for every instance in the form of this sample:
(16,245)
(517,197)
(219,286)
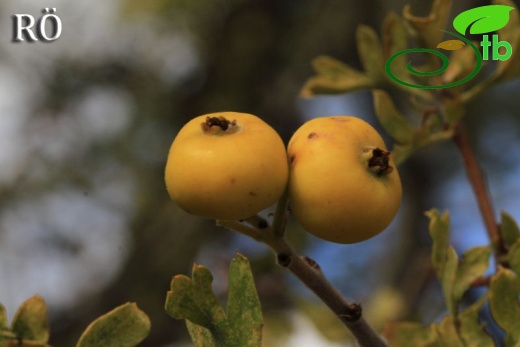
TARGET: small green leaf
(448,335)
(471,330)
(513,257)
(201,336)
(334,77)
(473,265)
(448,278)
(509,228)
(30,321)
(333,68)
(503,300)
(194,299)
(483,19)
(124,326)
(244,311)
(407,334)
(444,257)
(429,28)
(394,35)
(391,119)
(439,229)
(370,53)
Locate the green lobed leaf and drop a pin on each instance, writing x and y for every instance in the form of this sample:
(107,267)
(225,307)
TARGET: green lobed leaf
(201,336)
(243,308)
(333,68)
(370,53)
(124,326)
(444,257)
(334,77)
(447,333)
(448,278)
(407,334)
(513,257)
(473,265)
(30,321)
(439,229)
(503,300)
(429,28)
(394,35)
(509,229)
(483,19)
(194,299)
(391,119)
(471,330)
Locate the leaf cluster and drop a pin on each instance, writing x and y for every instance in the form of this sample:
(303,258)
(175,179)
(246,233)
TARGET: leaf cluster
(124,326)
(461,326)
(439,111)
(209,323)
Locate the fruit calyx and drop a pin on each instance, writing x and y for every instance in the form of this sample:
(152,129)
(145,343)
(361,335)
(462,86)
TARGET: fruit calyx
(216,125)
(379,162)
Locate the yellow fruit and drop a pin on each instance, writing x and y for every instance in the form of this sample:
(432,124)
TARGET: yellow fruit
(343,183)
(226,165)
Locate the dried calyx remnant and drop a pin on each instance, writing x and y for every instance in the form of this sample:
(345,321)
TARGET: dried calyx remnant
(379,163)
(218,124)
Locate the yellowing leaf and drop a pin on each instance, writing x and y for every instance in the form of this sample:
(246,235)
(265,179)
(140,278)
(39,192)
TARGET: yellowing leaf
(210,324)
(473,265)
(125,325)
(429,28)
(470,329)
(444,257)
(503,301)
(451,45)
(509,228)
(30,321)
(334,77)
(391,119)
(370,53)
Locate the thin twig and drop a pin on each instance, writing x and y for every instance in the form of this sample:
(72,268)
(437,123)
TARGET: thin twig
(480,189)
(309,273)
(280,215)
(241,228)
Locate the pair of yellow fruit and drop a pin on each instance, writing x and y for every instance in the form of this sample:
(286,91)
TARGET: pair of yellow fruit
(343,186)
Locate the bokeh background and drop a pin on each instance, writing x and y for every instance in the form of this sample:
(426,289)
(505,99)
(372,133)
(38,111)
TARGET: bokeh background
(86,122)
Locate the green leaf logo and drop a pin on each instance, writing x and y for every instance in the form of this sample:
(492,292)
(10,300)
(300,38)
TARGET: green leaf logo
(483,19)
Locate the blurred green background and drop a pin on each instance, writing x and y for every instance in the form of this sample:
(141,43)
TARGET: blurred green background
(86,122)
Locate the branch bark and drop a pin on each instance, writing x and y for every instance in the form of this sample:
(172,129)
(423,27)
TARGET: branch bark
(478,183)
(310,274)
